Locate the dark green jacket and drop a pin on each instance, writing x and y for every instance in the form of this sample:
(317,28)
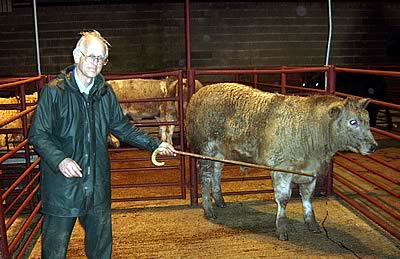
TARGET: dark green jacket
(69,124)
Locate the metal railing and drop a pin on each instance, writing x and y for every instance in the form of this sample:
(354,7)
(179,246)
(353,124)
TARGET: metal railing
(20,220)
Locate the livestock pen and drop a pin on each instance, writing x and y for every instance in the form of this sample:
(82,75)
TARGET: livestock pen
(19,175)
(154,217)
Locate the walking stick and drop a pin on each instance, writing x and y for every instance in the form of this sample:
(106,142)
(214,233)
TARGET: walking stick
(155,162)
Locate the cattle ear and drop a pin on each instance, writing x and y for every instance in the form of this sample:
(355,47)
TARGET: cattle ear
(364,102)
(335,110)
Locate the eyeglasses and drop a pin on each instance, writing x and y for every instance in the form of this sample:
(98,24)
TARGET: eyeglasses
(95,59)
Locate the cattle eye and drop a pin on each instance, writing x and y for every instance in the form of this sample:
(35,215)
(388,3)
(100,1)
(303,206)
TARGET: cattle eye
(353,123)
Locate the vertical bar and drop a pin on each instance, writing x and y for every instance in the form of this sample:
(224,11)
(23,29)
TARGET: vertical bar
(331,80)
(4,253)
(180,110)
(255,80)
(23,118)
(25,124)
(182,132)
(192,161)
(283,81)
(237,78)
(191,83)
(39,70)
(193,173)
(328,47)
(188,46)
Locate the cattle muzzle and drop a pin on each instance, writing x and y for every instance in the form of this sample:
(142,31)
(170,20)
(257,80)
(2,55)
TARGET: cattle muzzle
(373,148)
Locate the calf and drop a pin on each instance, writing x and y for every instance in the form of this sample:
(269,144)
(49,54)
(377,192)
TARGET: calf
(236,122)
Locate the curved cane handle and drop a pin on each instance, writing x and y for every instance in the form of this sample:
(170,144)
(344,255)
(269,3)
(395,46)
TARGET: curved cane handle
(154,158)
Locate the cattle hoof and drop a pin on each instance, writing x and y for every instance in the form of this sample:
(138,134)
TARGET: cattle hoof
(210,214)
(313,227)
(283,237)
(210,217)
(220,204)
(219,200)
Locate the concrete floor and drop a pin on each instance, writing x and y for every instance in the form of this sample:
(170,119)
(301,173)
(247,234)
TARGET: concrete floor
(244,229)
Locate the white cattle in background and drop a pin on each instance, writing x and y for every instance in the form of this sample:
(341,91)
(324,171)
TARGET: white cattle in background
(162,111)
(12,138)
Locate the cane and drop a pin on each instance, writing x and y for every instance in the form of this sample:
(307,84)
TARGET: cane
(155,162)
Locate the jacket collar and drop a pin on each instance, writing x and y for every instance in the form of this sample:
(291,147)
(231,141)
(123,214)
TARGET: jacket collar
(99,88)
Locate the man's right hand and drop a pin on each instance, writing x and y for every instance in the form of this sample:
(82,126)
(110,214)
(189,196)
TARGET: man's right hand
(69,168)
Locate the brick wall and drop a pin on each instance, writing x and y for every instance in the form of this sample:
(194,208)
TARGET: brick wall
(149,35)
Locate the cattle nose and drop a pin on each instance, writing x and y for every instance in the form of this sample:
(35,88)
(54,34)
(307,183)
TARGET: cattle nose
(373,148)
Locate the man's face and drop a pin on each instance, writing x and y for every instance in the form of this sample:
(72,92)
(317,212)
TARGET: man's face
(90,61)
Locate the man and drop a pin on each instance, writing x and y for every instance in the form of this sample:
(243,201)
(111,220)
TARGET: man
(74,116)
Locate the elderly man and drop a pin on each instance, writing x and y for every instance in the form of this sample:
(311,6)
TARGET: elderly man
(74,116)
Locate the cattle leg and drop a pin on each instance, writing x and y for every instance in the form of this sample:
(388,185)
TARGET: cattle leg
(282,191)
(206,171)
(166,132)
(216,185)
(163,133)
(306,191)
(170,133)
(167,113)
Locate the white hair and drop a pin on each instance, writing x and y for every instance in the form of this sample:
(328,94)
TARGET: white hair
(87,35)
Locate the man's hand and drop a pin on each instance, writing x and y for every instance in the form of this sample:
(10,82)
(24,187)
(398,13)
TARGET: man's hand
(69,168)
(166,149)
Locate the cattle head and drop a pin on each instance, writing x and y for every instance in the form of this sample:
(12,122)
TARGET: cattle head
(350,127)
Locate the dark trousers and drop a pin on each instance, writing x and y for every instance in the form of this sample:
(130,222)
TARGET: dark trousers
(56,233)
